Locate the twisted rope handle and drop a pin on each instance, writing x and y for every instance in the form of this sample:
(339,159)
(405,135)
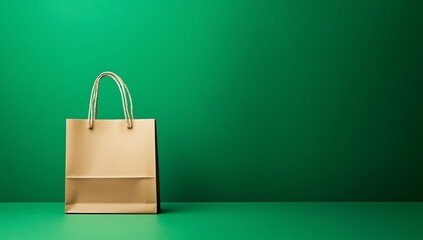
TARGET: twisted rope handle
(123,89)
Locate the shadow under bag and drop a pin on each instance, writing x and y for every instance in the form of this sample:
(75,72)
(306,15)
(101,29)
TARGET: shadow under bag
(111,165)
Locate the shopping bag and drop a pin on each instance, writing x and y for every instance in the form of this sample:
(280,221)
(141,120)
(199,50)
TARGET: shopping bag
(111,165)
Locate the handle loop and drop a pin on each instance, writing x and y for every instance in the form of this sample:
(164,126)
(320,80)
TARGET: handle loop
(124,93)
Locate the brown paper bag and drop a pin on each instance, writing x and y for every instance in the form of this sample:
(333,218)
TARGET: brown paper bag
(111,165)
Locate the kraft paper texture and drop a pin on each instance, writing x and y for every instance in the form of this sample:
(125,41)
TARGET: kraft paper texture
(110,168)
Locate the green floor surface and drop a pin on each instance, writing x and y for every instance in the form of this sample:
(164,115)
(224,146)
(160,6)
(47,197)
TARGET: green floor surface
(219,221)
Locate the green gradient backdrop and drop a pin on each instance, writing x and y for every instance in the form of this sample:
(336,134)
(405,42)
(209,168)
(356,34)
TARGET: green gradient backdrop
(294,100)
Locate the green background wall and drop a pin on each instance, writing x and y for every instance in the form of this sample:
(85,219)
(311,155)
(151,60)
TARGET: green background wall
(294,100)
